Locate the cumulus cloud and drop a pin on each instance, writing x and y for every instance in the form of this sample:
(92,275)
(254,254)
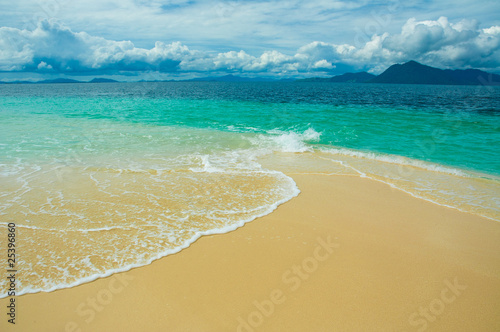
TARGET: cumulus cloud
(44,66)
(54,48)
(438,43)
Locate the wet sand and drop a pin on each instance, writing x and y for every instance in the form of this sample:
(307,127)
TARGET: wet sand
(347,254)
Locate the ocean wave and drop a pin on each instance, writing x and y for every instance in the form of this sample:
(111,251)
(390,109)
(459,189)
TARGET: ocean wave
(394,159)
(287,141)
(152,212)
(52,285)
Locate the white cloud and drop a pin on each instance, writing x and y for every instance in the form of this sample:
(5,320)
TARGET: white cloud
(43,66)
(53,47)
(437,43)
(254,26)
(323,64)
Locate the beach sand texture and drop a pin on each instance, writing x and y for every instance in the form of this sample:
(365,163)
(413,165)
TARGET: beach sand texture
(347,254)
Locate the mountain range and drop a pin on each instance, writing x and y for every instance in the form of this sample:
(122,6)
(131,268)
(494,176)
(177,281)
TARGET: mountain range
(360,77)
(410,72)
(63,80)
(413,72)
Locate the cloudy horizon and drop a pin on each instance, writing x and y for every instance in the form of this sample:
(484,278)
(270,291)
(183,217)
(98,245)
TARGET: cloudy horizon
(180,39)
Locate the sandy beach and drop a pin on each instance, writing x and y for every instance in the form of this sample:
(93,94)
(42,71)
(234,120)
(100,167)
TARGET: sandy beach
(249,166)
(347,254)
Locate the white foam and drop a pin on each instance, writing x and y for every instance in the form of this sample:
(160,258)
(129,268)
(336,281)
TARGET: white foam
(240,161)
(207,166)
(398,160)
(82,230)
(406,162)
(293,192)
(287,141)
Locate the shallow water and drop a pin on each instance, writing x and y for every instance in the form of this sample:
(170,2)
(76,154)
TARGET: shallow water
(100,178)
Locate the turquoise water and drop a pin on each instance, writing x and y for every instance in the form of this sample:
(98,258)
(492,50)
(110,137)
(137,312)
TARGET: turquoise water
(454,126)
(116,175)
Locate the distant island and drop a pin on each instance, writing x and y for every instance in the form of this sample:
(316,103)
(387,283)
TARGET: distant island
(226,78)
(103,80)
(413,72)
(63,80)
(230,78)
(361,77)
(410,72)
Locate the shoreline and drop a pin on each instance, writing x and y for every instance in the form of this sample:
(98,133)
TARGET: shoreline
(347,254)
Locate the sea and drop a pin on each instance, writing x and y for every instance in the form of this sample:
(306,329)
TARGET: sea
(103,177)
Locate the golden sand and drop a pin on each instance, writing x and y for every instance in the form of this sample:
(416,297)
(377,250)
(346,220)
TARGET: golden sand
(348,254)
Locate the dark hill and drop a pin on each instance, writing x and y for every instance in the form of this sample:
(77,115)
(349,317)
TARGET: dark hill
(229,78)
(344,78)
(60,80)
(103,80)
(415,73)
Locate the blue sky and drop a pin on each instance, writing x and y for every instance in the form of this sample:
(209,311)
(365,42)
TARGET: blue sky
(175,39)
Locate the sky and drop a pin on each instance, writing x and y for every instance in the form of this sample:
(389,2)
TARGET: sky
(179,39)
